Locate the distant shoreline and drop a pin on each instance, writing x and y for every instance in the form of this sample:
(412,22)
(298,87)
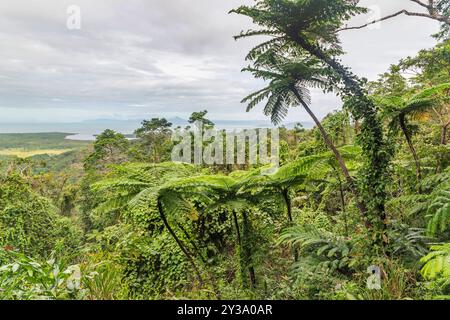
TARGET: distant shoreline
(80,137)
(87,130)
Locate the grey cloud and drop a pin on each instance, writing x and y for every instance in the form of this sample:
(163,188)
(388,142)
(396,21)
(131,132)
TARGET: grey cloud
(139,57)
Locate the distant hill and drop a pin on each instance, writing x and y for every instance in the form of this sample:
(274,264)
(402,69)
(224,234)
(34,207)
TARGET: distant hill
(92,127)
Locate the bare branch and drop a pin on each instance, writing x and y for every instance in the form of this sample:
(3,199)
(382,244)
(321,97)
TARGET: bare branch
(374,21)
(440,18)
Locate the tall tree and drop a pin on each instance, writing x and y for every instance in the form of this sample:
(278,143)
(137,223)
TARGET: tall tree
(231,193)
(400,109)
(431,68)
(110,147)
(135,184)
(309,28)
(201,117)
(289,81)
(154,134)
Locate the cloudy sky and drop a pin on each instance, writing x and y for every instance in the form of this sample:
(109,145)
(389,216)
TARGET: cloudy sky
(140,58)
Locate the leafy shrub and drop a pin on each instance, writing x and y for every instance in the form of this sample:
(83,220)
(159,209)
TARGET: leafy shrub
(29,223)
(27,279)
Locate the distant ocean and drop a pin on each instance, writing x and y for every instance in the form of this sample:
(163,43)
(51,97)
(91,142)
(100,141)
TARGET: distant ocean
(87,130)
(76,131)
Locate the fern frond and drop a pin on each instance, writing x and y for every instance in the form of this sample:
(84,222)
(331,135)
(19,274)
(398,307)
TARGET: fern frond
(252,33)
(333,253)
(439,211)
(437,262)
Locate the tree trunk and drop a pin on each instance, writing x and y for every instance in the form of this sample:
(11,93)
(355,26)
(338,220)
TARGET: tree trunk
(179,242)
(287,200)
(248,251)
(327,140)
(192,242)
(444,133)
(357,127)
(411,148)
(341,192)
(236,224)
(240,246)
(371,134)
(340,160)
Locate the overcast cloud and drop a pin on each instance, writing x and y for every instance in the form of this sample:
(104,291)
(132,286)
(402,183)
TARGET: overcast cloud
(140,58)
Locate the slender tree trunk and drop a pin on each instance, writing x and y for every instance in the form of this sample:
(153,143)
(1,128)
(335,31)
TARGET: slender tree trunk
(371,132)
(179,242)
(411,148)
(192,242)
(236,225)
(357,127)
(240,246)
(340,160)
(341,192)
(327,140)
(432,14)
(211,277)
(248,251)
(344,134)
(245,252)
(287,200)
(251,271)
(444,133)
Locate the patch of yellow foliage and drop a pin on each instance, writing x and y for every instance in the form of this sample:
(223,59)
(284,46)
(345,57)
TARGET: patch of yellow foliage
(21,153)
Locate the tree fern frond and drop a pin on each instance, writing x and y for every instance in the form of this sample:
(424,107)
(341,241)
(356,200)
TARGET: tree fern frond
(118,184)
(252,33)
(439,211)
(437,262)
(333,253)
(272,44)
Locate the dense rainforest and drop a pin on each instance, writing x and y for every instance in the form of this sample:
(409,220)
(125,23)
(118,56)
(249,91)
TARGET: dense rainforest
(359,208)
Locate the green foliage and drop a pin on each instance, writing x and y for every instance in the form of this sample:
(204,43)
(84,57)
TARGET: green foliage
(333,253)
(104,281)
(201,117)
(337,125)
(115,221)
(307,38)
(289,80)
(30,223)
(154,140)
(132,190)
(110,147)
(39,141)
(27,279)
(437,269)
(437,263)
(432,64)
(439,210)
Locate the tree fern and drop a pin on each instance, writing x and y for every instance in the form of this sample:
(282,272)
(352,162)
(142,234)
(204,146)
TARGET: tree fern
(334,253)
(439,210)
(437,263)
